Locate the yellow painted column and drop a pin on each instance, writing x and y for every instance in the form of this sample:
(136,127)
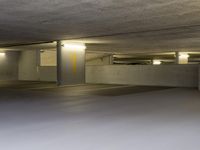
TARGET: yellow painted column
(71,63)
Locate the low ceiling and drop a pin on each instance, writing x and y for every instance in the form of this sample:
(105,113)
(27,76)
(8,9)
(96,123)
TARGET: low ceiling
(128,26)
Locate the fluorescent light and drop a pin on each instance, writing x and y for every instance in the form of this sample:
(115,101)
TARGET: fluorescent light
(41,50)
(156,62)
(183,58)
(74,46)
(184,55)
(2,54)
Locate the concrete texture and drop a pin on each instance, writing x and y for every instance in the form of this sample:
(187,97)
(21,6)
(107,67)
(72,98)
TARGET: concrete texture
(9,66)
(81,119)
(163,75)
(29,61)
(140,25)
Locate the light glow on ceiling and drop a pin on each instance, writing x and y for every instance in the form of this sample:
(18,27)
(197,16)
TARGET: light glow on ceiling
(184,55)
(74,46)
(2,54)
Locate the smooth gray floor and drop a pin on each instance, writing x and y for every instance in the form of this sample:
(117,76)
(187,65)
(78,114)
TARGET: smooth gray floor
(39,116)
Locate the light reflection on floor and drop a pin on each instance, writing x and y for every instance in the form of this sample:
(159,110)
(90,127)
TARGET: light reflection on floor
(49,119)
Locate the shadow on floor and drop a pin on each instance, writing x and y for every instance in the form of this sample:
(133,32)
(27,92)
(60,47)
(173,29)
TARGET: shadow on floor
(128,90)
(85,89)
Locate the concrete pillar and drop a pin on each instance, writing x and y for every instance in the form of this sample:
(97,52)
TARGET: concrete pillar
(59,61)
(70,64)
(111,60)
(177,57)
(199,79)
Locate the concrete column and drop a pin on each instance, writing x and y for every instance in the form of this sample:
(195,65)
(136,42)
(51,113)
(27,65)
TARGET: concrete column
(59,61)
(111,60)
(199,79)
(70,64)
(177,60)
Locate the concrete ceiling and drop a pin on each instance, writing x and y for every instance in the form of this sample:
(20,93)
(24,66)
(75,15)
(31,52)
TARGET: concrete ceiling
(105,25)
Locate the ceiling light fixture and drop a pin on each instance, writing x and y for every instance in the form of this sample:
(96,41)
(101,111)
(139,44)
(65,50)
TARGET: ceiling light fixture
(74,46)
(2,54)
(156,62)
(184,55)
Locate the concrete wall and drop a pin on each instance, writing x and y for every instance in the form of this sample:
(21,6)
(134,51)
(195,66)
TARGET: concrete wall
(28,65)
(9,66)
(163,75)
(48,58)
(106,60)
(48,73)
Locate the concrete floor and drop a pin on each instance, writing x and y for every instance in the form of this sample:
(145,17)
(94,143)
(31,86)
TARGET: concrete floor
(39,116)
